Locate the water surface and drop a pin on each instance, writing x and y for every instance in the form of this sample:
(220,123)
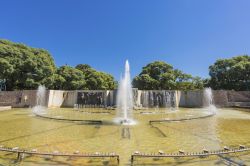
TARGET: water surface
(19,127)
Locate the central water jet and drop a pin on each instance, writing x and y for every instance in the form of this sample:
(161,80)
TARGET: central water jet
(125,98)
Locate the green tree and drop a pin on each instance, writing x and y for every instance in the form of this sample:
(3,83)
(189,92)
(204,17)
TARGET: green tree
(95,79)
(58,81)
(69,78)
(230,74)
(6,68)
(145,82)
(160,75)
(25,67)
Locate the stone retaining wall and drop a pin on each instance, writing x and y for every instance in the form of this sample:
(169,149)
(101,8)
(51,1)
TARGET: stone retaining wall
(191,99)
(58,98)
(23,98)
(221,98)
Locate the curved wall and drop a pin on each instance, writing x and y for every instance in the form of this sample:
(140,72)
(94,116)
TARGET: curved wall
(142,98)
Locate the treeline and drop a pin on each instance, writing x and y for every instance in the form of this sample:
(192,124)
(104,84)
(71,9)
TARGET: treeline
(230,74)
(25,67)
(160,75)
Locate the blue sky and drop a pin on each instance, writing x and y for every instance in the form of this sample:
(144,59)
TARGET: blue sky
(189,34)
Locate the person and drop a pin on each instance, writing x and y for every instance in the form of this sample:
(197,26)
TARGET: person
(2,85)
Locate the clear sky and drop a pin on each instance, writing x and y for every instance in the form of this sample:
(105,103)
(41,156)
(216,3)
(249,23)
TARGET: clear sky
(189,34)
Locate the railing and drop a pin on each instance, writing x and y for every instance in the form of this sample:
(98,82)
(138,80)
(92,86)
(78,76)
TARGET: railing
(22,152)
(205,153)
(160,154)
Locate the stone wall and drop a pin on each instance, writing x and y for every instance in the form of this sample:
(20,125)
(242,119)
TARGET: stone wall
(69,99)
(10,98)
(238,98)
(24,98)
(221,98)
(191,99)
(156,98)
(58,98)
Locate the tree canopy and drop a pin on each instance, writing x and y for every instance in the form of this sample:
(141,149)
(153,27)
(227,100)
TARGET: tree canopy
(230,74)
(160,75)
(24,67)
(96,79)
(69,78)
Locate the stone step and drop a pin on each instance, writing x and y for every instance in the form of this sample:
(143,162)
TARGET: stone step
(3,108)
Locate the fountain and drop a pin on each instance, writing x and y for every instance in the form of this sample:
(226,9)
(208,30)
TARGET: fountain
(40,100)
(208,100)
(158,99)
(125,99)
(145,99)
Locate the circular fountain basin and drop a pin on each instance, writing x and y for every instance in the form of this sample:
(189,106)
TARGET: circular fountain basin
(229,127)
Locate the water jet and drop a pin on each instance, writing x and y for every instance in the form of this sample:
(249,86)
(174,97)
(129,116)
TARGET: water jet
(125,99)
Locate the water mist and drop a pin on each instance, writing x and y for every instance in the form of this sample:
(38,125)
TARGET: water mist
(125,98)
(40,100)
(208,101)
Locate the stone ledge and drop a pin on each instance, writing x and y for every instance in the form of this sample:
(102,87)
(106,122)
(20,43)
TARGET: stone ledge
(239,104)
(3,108)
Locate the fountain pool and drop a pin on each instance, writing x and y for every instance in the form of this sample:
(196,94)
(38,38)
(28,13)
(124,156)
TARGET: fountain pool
(19,128)
(159,129)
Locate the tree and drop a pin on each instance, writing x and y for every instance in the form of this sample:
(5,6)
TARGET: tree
(96,80)
(85,68)
(25,67)
(145,82)
(230,74)
(160,75)
(6,68)
(69,78)
(59,81)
